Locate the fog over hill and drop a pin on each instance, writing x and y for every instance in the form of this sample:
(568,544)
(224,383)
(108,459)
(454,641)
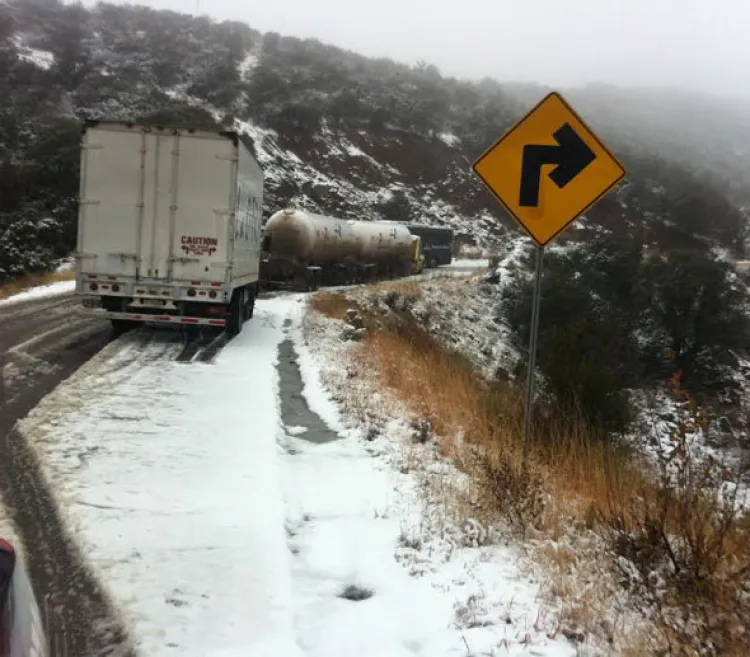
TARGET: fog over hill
(334,131)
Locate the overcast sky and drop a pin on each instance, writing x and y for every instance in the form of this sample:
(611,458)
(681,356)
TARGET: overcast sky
(687,43)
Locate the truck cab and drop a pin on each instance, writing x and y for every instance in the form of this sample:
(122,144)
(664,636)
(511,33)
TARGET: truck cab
(417,258)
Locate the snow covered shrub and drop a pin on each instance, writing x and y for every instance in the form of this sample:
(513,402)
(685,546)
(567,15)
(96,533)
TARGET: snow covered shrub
(683,546)
(29,242)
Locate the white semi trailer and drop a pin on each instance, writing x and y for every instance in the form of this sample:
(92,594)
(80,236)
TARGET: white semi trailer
(169,226)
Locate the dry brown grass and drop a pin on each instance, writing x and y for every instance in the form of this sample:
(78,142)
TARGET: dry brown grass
(330,304)
(410,288)
(33,280)
(443,387)
(576,478)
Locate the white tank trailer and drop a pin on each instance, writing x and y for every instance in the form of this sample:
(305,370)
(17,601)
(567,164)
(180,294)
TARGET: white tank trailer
(303,250)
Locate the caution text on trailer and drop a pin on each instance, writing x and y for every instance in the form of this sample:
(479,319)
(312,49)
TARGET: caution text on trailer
(549,169)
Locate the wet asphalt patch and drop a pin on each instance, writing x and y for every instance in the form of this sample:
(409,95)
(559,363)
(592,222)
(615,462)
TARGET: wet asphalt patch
(296,415)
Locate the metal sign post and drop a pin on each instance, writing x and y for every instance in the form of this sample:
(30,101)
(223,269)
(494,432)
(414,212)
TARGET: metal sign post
(536,302)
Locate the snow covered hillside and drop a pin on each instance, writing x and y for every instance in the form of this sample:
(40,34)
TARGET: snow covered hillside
(334,131)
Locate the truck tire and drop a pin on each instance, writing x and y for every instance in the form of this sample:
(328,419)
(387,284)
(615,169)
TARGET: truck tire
(251,295)
(236,313)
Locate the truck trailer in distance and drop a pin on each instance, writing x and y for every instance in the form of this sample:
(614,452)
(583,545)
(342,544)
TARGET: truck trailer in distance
(169,226)
(437,243)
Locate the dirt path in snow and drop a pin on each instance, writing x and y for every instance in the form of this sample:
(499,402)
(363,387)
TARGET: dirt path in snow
(42,342)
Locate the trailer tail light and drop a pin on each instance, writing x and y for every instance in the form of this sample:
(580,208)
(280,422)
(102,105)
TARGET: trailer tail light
(217,310)
(212,294)
(191,292)
(115,288)
(93,287)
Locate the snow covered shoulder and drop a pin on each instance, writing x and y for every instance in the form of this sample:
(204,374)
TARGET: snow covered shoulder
(168,476)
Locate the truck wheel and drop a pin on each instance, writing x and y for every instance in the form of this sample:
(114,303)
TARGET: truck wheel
(250,303)
(236,313)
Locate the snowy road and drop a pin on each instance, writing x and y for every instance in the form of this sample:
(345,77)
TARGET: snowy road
(42,341)
(168,475)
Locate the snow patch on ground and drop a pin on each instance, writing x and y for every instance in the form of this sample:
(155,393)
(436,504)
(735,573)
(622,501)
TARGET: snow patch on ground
(68,264)
(248,65)
(44,59)
(449,139)
(469,263)
(41,292)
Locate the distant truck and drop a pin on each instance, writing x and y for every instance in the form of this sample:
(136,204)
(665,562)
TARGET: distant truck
(169,226)
(437,243)
(303,250)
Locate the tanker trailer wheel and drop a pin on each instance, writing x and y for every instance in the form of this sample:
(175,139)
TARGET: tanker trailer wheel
(236,313)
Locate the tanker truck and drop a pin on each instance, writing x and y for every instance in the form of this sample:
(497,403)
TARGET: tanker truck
(303,250)
(169,226)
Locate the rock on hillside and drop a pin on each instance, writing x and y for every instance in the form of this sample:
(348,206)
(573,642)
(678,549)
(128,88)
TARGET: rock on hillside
(334,131)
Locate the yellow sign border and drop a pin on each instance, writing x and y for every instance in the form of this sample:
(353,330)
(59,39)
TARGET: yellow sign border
(518,124)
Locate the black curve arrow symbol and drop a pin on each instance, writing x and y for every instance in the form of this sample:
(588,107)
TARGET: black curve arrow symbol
(571,156)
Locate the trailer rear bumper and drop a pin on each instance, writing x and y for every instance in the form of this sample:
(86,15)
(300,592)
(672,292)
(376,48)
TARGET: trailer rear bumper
(155,318)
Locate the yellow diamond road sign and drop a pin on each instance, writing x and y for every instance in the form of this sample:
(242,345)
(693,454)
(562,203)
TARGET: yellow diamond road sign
(549,169)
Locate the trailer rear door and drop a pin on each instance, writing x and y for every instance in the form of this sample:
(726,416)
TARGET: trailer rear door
(111,190)
(206,182)
(156,205)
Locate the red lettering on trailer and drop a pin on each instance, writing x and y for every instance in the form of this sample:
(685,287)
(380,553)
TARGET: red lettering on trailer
(199,245)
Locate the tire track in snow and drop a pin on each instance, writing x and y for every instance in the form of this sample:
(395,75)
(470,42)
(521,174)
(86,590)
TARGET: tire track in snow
(42,343)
